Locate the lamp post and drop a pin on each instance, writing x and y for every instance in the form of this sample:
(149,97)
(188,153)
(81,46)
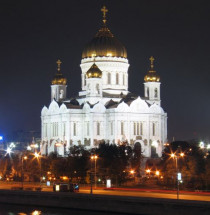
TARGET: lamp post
(94,157)
(148,171)
(22,175)
(40,165)
(176,157)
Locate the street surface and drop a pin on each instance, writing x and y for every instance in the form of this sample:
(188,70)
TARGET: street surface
(128,192)
(152,194)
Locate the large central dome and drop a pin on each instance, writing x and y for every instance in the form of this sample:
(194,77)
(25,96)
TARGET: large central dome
(104,44)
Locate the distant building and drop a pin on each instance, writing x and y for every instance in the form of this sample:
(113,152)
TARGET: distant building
(22,139)
(104,110)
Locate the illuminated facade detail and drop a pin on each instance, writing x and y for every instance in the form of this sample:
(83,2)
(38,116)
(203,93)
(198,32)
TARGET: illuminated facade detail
(105,110)
(152,85)
(58,87)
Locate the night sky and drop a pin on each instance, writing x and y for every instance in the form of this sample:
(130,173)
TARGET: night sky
(34,34)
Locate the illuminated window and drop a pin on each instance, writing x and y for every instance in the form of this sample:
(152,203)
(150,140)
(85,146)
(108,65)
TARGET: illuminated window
(75,129)
(122,128)
(117,78)
(109,54)
(109,78)
(98,128)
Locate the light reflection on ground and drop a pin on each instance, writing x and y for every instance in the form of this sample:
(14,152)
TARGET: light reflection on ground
(6,209)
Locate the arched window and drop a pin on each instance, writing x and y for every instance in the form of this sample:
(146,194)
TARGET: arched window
(75,129)
(111,128)
(109,78)
(153,129)
(156,93)
(141,128)
(134,128)
(84,80)
(88,129)
(97,88)
(123,79)
(98,128)
(137,128)
(61,94)
(117,78)
(122,128)
(46,149)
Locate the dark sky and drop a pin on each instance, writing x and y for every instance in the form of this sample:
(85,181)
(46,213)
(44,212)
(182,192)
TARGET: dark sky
(34,34)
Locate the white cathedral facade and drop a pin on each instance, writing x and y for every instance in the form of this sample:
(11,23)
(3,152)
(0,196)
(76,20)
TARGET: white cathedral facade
(104,110)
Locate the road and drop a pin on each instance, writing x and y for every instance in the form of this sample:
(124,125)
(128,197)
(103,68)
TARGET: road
(152,194)
(148,193)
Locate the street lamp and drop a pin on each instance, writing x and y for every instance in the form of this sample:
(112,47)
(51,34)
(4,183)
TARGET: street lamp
(176,157)
(157,173)
(37,155)
(148,171)
(94,157)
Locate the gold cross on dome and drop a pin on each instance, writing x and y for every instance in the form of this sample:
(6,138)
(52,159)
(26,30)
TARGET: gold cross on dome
(104,11)
(152,61)
(59,64)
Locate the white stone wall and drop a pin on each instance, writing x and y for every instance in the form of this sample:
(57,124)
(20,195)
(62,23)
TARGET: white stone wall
(71,125)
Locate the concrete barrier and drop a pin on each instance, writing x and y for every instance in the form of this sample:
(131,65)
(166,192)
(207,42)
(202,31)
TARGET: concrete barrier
(119,204)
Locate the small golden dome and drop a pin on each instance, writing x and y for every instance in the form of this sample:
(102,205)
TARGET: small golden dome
(59,78)
(152,75)
(94,72)
(104,43)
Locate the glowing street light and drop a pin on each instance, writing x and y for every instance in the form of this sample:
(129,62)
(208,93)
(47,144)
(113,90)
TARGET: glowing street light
(94,157)
(9,150)
(37,155)
(157,172)
(132,171)
(176,157)
(148,171)
(181,154)
(202,144)
(29,148)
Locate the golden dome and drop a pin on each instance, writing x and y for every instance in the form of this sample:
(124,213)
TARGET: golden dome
(152,75)
(94,72)
(104,43)
(59,78)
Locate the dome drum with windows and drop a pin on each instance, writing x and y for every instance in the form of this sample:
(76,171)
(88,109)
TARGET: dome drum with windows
(104,44)
(152,75)
(59,78)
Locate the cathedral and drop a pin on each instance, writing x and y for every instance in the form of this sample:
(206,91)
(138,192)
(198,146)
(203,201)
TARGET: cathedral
(104,110)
